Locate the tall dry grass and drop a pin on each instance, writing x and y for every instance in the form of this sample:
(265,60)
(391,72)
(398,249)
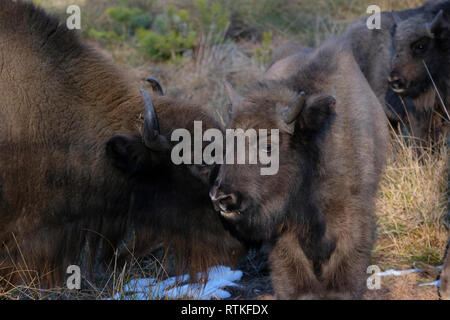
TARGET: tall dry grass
(411,204)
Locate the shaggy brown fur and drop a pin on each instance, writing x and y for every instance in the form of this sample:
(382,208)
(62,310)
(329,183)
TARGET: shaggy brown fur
(317,213)
(60,192)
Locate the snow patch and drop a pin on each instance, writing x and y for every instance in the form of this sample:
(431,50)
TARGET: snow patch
(177,287)
(397,273)
(434,283)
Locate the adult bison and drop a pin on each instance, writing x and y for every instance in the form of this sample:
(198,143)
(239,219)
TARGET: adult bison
(317,212)
(75,166)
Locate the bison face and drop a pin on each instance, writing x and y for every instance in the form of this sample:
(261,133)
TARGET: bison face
(254,203)
(418,43)
(149,152)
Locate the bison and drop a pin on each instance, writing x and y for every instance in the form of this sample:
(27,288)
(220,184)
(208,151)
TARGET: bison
(420,71)
(420,67)
(373,51)
(79,165)
(317,212)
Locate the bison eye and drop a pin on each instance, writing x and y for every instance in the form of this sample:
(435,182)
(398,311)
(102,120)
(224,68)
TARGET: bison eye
(420,47)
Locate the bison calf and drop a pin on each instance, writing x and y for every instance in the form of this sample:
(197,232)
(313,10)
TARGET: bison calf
(317,212)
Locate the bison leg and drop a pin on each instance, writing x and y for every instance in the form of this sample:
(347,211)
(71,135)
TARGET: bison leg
(343,276)
(293,274)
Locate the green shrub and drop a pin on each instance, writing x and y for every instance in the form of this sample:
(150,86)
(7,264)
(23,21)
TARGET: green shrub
(122,23)
(105,36)
(212,18)
(262,54)
(166,35)
(37,3)
(171,35)
(129,19)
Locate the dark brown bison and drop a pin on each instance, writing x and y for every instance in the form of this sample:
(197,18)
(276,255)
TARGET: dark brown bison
(75,167)
(317,212)
(373,51)
(420,68)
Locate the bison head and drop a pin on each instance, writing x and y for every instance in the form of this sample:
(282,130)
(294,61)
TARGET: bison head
(133,154)
(149,151)
(257,204)
(421,43)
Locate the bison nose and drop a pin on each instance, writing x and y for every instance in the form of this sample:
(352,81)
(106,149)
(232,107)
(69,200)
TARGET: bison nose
(225,202)
(397,82)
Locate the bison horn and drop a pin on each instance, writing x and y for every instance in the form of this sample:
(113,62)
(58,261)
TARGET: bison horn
(293,111)
(156,86)
(430,27)
(150,130)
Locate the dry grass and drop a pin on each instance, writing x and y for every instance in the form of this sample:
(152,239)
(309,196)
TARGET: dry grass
(411,205)
(108,283)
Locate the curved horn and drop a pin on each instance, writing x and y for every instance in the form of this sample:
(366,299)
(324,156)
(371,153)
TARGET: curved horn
(156,86)
(150,130)
(429,27)
(293,111)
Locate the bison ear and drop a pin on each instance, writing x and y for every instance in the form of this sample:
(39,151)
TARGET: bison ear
(129,154)
(434,25)
(318,113)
